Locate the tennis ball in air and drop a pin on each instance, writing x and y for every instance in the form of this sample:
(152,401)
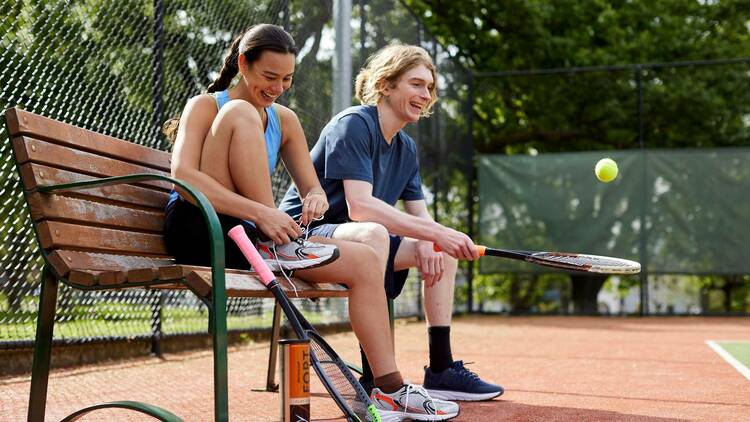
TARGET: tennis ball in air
(606,170)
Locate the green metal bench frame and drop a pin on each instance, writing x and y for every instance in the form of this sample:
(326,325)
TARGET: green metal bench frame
(217,320)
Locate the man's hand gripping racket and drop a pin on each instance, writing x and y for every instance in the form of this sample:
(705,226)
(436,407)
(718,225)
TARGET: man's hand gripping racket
(563,260)
(345,390)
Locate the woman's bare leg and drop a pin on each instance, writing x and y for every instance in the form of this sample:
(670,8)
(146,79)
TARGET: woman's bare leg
(234,152)
(368,308)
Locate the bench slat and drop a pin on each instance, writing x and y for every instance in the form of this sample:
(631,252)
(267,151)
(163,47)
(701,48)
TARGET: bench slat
(111,278)
(54,235)
(34,175)
(238,283)
(180,271)
(22,122)
(35,150)
(247,285)
(58,207)
(84,278)
(64,260)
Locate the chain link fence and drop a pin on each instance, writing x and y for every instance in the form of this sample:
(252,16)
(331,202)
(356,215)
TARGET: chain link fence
(680,133)
(123,68)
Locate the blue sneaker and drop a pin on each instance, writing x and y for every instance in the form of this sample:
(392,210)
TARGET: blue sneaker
(458,383)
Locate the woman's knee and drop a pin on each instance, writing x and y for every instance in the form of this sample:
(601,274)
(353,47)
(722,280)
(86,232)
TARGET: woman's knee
(238,113)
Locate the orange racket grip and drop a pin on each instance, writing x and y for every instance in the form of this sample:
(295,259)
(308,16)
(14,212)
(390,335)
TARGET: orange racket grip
(480,249)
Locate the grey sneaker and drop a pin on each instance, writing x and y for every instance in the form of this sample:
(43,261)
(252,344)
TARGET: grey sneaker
(296,255)
(412,402)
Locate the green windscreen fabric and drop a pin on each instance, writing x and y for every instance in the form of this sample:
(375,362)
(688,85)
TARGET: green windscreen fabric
(695,203)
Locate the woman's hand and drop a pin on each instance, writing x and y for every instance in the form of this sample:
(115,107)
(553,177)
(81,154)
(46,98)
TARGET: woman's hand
(277,225)
(314,205)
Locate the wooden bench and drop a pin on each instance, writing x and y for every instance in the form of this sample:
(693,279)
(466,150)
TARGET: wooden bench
(97,207)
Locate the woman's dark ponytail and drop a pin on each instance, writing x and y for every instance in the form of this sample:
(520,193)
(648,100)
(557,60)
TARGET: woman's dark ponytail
(230,67)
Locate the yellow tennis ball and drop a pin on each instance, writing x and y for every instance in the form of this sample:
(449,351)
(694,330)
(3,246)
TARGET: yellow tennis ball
(606,170)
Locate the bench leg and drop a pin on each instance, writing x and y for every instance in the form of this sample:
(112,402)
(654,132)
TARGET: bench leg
(43,347)
(273,355)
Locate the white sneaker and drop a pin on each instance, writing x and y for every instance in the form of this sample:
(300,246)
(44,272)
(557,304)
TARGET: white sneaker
(296,255)
(412,402)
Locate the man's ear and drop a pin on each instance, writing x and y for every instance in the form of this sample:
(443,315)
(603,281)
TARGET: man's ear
(385,87)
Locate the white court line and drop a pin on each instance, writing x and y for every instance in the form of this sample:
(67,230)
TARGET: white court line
(742,369)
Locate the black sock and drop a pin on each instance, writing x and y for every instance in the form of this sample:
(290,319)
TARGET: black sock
(441,357)
(366,370)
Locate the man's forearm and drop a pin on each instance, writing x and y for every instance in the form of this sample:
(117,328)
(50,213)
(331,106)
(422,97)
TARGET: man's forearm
(396,221)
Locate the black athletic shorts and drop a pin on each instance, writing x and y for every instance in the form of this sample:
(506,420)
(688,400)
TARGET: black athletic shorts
(187,239)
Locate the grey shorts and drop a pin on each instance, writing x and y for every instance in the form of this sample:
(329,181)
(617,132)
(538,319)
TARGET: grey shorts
(394,280)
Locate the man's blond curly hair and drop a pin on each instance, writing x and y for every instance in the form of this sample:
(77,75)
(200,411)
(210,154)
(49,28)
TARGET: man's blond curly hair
(386,66)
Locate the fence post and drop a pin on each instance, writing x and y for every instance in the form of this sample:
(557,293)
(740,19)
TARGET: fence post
(157,306)
(285,8)
(157,120)
(158,75)
(642,244)
(471,174)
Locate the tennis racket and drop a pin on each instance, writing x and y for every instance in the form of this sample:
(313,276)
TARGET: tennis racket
(567,261)
(345,390)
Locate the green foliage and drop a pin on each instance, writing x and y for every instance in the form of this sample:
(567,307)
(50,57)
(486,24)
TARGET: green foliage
(682,107)
(525,114)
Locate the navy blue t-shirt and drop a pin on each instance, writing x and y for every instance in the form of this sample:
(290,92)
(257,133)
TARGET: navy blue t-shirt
(352,147)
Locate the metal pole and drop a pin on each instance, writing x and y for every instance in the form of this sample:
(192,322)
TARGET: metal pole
(470,188)
(157,314)
(342,60)
(362,32)
(642,244)
(158,74)
(437,144)
(158,119)
(285,8)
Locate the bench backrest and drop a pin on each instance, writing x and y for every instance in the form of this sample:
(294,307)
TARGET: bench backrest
(108,227)
(111,236)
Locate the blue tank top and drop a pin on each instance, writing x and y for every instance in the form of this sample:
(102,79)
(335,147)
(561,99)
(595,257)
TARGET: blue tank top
(272,135)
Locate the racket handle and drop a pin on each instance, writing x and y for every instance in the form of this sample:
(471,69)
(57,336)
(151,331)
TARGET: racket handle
(480,249)
(237,233)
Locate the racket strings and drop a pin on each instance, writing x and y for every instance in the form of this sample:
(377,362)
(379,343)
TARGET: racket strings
(584,260)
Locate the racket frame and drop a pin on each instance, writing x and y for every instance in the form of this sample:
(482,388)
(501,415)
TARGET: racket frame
(296,320)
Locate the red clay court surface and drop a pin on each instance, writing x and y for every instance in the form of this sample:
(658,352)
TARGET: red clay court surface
(553,369)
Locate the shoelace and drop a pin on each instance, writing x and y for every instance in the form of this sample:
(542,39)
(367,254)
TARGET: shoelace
(463,368)
(281,268)
(300,241)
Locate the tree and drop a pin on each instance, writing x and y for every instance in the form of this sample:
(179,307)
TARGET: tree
(682,107)
(596,111)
